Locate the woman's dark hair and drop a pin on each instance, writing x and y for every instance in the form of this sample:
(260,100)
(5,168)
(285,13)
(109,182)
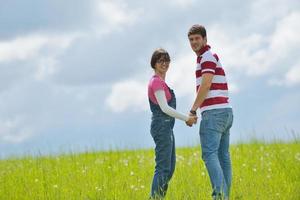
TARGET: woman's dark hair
(157,55)
(197,29)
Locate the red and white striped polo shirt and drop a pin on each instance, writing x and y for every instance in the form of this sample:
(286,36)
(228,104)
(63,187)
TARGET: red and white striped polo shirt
(217,97)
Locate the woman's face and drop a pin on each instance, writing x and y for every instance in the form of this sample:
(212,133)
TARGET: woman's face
(162,65)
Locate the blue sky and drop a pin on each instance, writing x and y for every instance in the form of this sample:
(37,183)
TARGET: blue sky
(69,70)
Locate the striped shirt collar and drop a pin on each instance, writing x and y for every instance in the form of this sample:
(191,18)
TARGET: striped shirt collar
(203,50)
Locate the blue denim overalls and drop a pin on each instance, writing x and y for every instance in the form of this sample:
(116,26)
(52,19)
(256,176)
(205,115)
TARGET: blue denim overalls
(165,158)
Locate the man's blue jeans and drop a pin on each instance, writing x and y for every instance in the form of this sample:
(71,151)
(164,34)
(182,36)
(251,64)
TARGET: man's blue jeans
(214,136)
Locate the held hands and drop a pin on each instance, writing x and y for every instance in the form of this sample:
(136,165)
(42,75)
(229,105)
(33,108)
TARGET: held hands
(192,120)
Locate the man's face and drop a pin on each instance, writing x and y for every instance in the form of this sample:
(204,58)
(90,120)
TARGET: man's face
(197,42)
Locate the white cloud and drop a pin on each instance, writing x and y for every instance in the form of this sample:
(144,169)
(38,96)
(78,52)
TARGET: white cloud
(261,16)
(239,54)
(41,50)
(293,75)
(21,48)
(46,66)
(15,130)
(181,3)
(233,88)
(286,38)
(285,45)
(128,95)
(114,15)
(27,47)
(289,79)
(258,54)
(181,74)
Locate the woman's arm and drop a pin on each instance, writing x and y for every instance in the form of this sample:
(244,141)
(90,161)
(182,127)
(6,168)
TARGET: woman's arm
(163,104)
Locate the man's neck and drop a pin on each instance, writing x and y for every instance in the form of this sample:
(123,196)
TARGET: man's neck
(203,49)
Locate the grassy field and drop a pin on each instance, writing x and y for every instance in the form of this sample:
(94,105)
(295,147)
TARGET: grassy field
(261,171)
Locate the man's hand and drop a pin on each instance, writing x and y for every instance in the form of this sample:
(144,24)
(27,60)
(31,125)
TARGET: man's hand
(192,120)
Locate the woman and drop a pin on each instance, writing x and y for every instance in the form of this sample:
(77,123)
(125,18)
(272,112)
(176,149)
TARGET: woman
(163,104)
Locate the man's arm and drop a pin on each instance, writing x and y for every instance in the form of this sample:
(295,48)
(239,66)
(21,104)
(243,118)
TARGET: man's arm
(203,90)
(201,93)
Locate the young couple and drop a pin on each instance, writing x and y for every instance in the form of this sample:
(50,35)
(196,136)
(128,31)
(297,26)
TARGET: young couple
(216,117)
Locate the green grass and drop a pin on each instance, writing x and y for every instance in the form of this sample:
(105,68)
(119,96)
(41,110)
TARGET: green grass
(260,171)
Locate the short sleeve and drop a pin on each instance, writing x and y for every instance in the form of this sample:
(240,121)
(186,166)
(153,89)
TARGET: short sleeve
(156,84)
(208,65)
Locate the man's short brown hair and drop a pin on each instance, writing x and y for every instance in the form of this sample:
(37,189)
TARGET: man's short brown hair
(158,54)
(197,29)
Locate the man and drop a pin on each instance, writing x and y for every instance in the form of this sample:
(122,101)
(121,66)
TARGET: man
(213,101)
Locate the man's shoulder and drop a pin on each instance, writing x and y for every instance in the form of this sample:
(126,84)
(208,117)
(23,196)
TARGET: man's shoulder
(208,56)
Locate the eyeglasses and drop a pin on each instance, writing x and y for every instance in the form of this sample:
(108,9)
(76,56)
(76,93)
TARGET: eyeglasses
(163,61)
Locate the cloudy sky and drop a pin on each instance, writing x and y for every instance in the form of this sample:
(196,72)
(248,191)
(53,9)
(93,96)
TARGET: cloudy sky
(73,74)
